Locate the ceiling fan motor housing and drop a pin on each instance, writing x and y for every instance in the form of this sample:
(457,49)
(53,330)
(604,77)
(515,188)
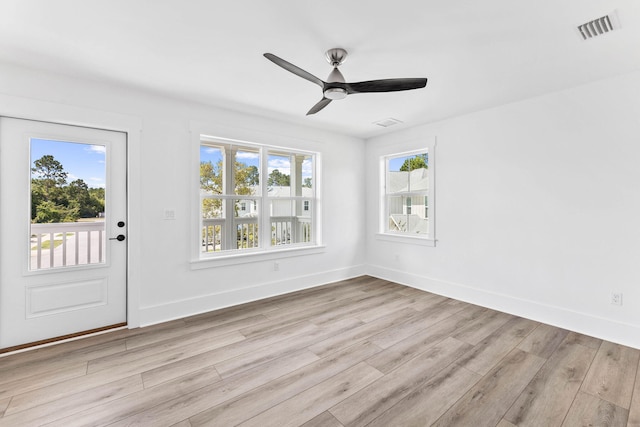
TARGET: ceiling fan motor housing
(335,92)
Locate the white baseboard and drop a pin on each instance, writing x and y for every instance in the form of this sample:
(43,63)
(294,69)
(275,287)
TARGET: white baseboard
(584,323)
(202,304)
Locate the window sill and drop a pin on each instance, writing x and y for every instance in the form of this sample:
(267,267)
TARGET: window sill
(398,238)
(245,258)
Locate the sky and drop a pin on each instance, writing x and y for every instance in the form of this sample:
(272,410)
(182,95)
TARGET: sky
(80,161)
(395,163)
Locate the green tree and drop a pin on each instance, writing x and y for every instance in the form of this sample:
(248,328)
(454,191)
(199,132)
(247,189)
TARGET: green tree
(246,177)
(48,168)
(307,182)
(48,211)
(416,162)
(97,199)
(211,177)
(53,200)
(48,178)
(78,195)
(211,181)
(278,179)
(253,175)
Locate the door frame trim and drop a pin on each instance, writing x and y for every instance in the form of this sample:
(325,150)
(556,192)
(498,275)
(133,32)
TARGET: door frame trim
(45,111)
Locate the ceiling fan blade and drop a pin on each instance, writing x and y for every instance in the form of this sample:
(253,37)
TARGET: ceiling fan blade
(319,106)
(385,85)
(294,69)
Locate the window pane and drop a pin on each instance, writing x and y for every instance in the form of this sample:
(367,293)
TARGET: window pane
(290,222)
(408,173)
(418,176)
(246,225)
(281,220)
(212,211)
(212,208)
(397,179)
(212,235)
(279,180)
(211,169)
(408,214)
(306,170)
(245,208)
(247,175)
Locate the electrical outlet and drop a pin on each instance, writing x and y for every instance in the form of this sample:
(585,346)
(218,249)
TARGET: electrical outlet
(616,298)
(276,266)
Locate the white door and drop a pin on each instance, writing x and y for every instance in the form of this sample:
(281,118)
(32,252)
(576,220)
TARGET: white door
(63,245)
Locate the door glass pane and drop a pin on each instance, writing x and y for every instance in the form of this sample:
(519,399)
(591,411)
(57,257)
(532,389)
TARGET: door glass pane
(68,184)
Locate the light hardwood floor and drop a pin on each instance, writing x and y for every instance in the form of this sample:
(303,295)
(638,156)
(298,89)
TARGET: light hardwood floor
(358,352)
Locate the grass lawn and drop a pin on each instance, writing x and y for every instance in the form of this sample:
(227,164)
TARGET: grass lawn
(56,242)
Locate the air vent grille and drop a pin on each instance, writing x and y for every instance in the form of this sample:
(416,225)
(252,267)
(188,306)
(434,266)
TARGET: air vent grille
(597,27)
(385,123)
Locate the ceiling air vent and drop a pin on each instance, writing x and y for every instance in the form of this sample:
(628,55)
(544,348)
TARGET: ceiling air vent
(385,123)
(599,26)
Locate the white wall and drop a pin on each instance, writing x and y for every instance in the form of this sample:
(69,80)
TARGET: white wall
(537,209)
(162,283)
(537,203)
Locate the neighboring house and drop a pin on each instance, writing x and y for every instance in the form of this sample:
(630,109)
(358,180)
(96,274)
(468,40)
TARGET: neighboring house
(281,205)
(284,207)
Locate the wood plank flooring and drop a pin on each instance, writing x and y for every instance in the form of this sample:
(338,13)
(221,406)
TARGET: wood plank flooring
(361,352)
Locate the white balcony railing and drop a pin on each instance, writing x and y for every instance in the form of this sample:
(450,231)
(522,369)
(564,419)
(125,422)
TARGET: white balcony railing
(67,244)
(285,230)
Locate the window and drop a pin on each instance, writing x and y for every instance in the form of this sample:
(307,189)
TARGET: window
(289,188)
(254,198)
(408,188)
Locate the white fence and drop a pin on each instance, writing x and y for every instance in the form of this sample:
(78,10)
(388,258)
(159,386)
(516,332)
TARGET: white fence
(285,230)
(67,244)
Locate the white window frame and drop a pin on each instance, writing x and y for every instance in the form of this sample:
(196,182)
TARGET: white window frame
(384,233)
(200,260)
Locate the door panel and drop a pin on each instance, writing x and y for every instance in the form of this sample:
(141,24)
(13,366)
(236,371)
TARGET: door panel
(62,203)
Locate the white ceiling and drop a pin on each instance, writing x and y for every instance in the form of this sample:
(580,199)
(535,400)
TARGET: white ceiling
(476,54)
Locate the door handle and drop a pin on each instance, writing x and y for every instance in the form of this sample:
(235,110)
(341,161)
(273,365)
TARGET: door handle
(119,238)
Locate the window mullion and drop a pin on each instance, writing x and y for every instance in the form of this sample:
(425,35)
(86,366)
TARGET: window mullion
(265,216)
(230,240)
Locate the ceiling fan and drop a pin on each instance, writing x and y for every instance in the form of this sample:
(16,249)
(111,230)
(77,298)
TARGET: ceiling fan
(336,88)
